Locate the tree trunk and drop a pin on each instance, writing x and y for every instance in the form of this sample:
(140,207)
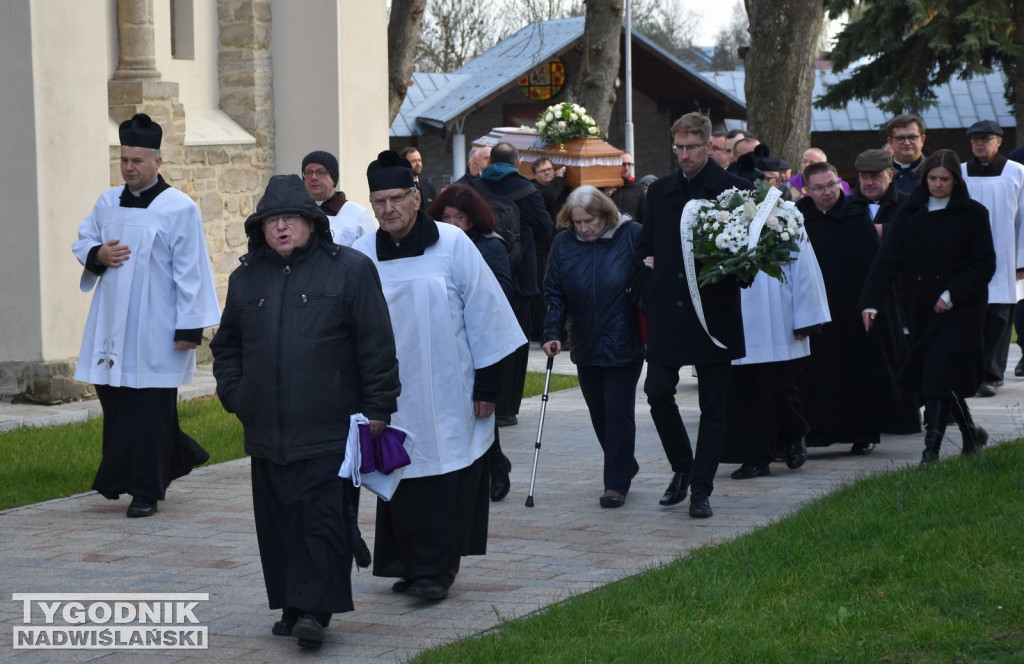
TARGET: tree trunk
(599,65)
(403,39)
(780,72)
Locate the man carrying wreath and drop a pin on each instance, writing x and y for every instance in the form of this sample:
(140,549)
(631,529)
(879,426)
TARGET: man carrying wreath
(688,325)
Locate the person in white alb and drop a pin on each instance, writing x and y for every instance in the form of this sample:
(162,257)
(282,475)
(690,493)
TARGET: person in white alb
(349,220)
(144,251)
(998,184)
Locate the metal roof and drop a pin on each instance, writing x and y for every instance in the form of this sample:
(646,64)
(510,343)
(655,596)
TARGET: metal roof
(436,100)
(960,103)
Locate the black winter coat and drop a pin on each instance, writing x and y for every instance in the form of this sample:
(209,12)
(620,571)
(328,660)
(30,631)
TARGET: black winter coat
(589,281)
(303,344)
(676,337)
(945,249)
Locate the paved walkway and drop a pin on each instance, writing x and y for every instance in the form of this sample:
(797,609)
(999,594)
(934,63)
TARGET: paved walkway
(203,541)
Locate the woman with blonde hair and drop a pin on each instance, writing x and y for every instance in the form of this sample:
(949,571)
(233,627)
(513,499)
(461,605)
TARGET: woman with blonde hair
(588,275)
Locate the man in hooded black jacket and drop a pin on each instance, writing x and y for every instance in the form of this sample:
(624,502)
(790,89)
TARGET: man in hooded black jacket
(305,342)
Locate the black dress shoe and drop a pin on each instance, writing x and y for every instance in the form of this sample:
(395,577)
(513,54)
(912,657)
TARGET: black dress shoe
(500,482)
(612,500)
(309,632)
(700,507)
(862,448)
(796,454)
(749,471)
(1018,371)
(141,507)
(401,586)
(506,420)
(427,588)
(676,491)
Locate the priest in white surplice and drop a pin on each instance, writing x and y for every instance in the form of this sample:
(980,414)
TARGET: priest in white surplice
(453,326)
(997,184)
(143,249)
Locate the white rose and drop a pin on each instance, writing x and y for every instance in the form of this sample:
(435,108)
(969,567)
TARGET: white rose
(561,125)
(541,125)
(773,223)
(722,215)
(549,117)
(784,236)
(573,117)
(593,131)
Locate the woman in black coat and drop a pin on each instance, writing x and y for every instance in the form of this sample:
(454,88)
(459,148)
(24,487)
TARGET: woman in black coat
(942,240)
(589,270)
(461,206)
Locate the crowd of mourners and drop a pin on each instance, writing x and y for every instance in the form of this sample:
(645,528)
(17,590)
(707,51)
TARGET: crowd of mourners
(338,333)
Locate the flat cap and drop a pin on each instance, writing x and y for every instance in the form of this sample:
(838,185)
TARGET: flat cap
(985,128)
(872,161)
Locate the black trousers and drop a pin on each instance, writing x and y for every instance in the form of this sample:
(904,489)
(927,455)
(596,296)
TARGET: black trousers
(431,522)
(144,449)
(610,393)
(996,341)
(303,533)
(510,398)
(765,412)
(712,392)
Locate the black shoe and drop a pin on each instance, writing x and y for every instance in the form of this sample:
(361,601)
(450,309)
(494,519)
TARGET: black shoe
(987,389)
(700,507)
(1018,371)
(309,632)
(506,420)
(613,499)
(796,454)
(427,588)
(401,586)
(141,507)
(676,491)
(749,471)
(109,495)
(500,482)
(862,448)
(283,627)
(928,457)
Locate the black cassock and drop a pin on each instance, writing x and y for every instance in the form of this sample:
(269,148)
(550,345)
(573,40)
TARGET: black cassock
(848,387)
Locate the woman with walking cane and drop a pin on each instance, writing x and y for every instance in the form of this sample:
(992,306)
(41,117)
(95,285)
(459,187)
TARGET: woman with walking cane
(942,240)
(589,270)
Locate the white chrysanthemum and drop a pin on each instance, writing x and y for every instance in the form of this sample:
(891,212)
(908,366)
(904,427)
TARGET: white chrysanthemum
(772,222)
(784,236)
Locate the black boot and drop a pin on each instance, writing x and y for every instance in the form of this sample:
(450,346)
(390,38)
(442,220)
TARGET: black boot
(974,436)
(500,467)
(937,412)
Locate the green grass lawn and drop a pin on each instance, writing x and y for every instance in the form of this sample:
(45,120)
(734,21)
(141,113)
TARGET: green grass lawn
(52,462)
(913,566)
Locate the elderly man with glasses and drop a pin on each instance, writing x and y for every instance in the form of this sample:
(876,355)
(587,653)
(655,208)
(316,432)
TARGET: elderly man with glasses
(304,343)
(677,335)
(453,327)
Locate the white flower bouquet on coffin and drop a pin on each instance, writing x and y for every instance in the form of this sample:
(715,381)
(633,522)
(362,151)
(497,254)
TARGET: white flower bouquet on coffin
(561,122)
(741,233)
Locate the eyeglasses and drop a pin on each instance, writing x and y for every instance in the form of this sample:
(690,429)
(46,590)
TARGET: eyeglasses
(825,187)
(687,148)
(907,138)
(395,200)
(288,219)
(321,173)
(982,139)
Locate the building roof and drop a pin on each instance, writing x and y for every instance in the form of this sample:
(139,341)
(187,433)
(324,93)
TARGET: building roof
(960,103)
(437,100)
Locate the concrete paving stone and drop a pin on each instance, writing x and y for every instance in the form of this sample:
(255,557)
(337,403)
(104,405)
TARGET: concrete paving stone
(203,539)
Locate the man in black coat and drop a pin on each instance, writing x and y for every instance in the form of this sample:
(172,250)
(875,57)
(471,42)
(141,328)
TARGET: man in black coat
(848,388)
(677,336)
(874,190)
(305,342)
(503,178)
(426,186)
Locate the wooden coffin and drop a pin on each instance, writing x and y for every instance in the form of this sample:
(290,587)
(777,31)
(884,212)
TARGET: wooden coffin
(586,160)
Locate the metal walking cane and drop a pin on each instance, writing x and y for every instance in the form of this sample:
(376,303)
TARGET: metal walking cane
(540,426)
